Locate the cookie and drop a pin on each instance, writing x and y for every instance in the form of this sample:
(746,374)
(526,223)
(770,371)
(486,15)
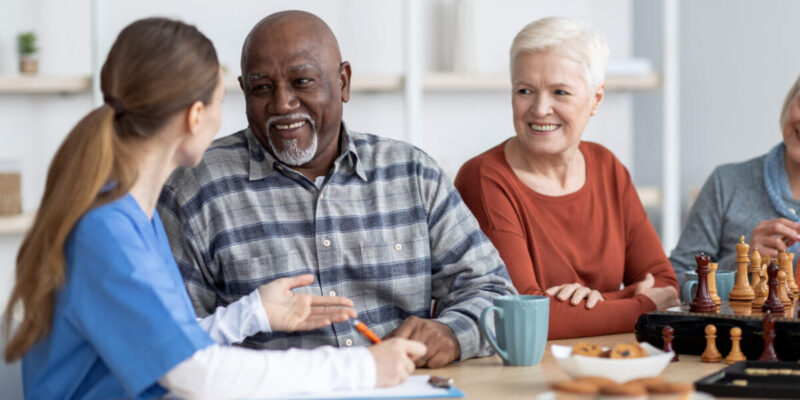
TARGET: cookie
(648,382)
(596,380)
(627,391)
(627,350)
(671,391)
(575,390)
(587,349)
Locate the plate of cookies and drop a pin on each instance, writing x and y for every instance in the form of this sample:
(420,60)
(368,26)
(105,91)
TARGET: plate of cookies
(596,387)
(622,362)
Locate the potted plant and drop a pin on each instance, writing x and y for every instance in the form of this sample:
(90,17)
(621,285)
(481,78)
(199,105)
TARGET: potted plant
(26,48)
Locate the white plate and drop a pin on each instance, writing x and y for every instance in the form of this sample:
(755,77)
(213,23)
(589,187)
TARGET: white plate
(695,396)
(618,369)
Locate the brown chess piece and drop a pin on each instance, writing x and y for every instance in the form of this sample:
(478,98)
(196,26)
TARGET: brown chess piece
(667,334)
(783,293)
(702,301)
(768,323)
(754,270)
(712,283)
(741,289)
(711,354)
(773,303)
(736,354)
(762,290)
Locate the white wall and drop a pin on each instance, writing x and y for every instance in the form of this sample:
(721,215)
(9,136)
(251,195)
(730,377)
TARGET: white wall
(457,126)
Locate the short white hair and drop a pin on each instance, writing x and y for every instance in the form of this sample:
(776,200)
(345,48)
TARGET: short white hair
(790,97)
(569,37)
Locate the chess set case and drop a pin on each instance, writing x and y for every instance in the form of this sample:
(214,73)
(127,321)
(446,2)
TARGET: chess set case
(761,379)
(689,336)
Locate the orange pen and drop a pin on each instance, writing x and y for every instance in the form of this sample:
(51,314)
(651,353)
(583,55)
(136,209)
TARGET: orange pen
(366,331)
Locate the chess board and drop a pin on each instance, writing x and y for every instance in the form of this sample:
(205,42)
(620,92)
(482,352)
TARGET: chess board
(689,336)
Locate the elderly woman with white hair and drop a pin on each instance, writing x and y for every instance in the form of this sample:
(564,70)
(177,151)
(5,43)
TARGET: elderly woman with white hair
(759,197)
(562,212)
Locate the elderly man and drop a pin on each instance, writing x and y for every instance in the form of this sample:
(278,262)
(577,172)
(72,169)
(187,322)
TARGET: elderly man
(296,192)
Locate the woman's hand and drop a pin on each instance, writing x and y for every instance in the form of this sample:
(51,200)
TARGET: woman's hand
(394,359)
(577,292)
(663,297)
(289,311)
(773,236)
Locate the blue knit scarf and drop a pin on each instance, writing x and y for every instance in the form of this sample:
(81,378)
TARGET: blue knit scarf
(776,180)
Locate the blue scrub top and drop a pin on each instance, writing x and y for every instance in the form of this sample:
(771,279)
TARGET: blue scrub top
(123,318)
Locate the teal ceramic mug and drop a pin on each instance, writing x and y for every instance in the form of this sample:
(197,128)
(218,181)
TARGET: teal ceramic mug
(520,323)
(725,282)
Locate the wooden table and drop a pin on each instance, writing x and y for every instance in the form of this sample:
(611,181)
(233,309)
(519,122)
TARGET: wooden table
(488,378)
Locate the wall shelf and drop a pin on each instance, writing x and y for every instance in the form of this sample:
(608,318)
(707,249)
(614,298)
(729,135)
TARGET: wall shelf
(432,82)
(472,82)
(20,223)
(45,84)
(16,224)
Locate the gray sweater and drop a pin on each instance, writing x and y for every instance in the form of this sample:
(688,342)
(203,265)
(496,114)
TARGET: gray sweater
(731,203)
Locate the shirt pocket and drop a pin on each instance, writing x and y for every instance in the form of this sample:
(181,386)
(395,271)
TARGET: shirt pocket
(395,280)
(238,277)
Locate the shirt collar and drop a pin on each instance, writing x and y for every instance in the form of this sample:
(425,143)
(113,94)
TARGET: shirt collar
(262,163)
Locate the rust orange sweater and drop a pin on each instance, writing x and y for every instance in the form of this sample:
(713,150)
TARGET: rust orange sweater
(598,236)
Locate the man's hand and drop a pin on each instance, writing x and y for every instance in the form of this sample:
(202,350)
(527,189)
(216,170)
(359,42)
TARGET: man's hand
(774,235)
(443,347)
(578,292)
(288,311)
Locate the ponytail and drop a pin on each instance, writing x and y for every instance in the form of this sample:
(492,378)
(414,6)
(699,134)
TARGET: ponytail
(89,158)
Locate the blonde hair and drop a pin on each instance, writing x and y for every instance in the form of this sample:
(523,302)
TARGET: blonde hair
(569,37)
(790,97)
(155,68)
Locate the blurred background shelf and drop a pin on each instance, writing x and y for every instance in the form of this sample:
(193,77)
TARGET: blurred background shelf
(16,224)
(472,82)
(44,84)
(20,223)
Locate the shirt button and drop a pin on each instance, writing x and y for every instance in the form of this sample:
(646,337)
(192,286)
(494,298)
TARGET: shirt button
(398,247)
(321,195)
(326,243)
(332,293)
(348,342)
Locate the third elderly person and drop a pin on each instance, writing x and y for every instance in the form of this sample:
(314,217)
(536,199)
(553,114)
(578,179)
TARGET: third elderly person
(758,197)
(375,220)
(563,212)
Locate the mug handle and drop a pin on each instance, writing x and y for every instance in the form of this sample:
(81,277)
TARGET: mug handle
(686,291)
(485,330)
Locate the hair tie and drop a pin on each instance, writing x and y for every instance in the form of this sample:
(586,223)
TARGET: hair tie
(115,103)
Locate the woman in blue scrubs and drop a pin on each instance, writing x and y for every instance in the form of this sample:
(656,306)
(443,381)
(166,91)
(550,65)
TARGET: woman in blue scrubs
(106,313)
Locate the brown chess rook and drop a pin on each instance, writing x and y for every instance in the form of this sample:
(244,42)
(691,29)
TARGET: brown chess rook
(667,334)
(742,290)
(736,354)
(768,323)
(712,284)
(711,354)
(773,303)
(702,301)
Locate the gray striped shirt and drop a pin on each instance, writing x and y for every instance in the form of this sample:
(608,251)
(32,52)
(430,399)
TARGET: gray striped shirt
(385,228)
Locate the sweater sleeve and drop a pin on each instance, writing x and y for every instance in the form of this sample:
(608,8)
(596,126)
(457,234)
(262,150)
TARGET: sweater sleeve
(503,225)
(703,227)
(643,251)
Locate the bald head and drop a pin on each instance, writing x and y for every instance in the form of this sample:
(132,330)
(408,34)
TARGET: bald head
(293,25)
